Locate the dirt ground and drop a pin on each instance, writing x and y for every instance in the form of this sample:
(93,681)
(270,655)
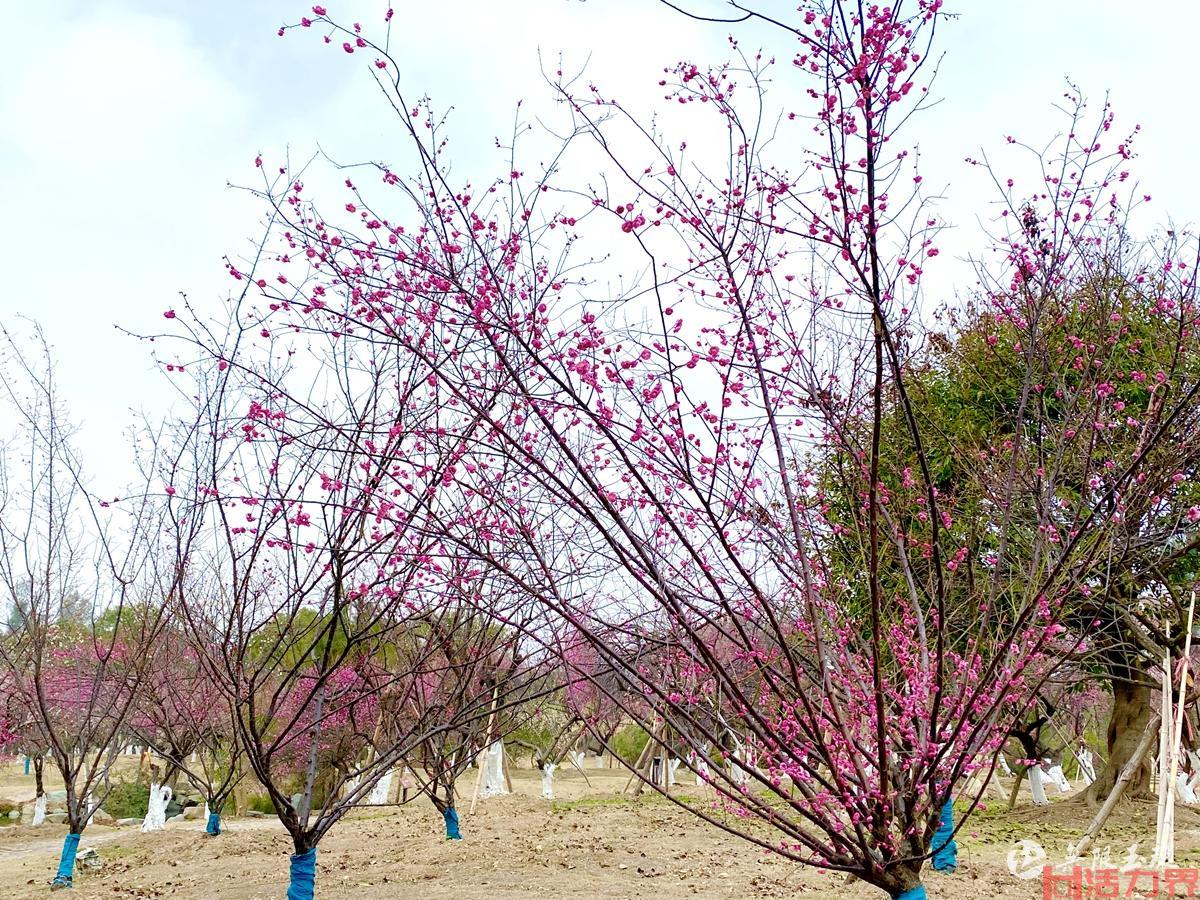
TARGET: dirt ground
(591,842)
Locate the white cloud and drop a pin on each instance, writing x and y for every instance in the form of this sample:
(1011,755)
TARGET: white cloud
(123,122)
(116,127)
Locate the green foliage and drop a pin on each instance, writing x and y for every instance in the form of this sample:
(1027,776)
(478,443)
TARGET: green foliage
(260,803)
(307,636)
(536,731)
(987,386)
(629,742)
(127,800)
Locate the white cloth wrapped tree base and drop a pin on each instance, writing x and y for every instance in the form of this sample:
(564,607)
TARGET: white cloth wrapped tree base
(738,774)
(1037,787)
(39,809)
(156,810)
(382,789)
(1185,791)
(548,780)
(699,766)
(1086,767)
(1059,777)
(492,760)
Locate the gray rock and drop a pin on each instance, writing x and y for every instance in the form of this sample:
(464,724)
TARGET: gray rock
(192,812)
(56,818)
(101,817)
(135,820)
(14,814)
(255,814)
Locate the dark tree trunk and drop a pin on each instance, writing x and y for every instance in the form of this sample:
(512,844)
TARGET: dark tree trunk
(1130,714)
(900,879)
(1029,737)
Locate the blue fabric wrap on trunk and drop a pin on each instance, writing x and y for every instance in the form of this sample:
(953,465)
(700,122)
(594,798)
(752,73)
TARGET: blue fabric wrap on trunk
(945,851)
(917,893)
(66,864)
(451,817)
(214,824)
(304,875)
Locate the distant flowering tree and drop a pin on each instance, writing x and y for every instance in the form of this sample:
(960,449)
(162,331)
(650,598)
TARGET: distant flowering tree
(11,720)
(316,594)
(184,716)
(572,713)
(84,581)
(589,689)
(334,733)
(472,674)
(21,735)
(682,470)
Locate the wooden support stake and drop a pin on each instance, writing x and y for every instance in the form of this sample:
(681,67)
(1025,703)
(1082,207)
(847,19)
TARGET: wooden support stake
(1167,855)
(1164,749)
(646,771)
(1070,746)
(637,766)
(571,756)
(487,743)
(1123,779)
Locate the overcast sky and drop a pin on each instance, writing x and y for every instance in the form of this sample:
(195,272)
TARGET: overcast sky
(122,122)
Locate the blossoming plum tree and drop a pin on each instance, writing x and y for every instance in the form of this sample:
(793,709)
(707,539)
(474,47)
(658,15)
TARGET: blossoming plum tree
(465,657)
(186,719)
(655,466)
(318,597)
